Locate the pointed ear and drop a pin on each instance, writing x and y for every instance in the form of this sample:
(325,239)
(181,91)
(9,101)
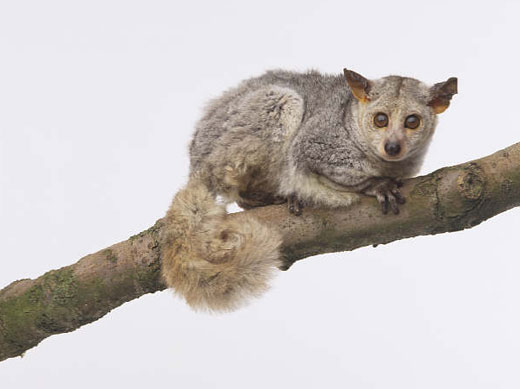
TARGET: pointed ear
(359,85)
(441,94)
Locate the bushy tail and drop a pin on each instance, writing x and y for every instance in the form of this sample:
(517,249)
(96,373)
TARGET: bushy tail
(215,261)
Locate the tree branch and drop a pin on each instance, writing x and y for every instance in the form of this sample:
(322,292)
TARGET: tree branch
(450,199)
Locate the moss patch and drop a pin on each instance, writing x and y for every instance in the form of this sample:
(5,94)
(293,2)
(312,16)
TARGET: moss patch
(153,230)
(58,302)
(39,310)
(109,255)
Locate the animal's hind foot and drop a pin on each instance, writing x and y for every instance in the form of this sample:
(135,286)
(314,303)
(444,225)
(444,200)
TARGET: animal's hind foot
(295,205)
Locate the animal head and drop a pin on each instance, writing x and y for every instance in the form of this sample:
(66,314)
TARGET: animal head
(396,116)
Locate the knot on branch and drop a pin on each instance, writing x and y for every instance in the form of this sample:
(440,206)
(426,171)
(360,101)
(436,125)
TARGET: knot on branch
(471,183)
(457,207)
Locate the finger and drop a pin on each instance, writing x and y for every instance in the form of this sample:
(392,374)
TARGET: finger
(291,206)
(393,203)
(300,207)
(295,206)
(381,198)
(399,197)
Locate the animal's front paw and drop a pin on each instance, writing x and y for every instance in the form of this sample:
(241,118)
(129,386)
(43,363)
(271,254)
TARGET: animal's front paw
(295,205)
(387,193)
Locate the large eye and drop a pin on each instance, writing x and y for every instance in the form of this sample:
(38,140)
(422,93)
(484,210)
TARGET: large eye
(380,119)
(412,122)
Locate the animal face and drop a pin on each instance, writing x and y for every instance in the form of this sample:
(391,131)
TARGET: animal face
(396,116)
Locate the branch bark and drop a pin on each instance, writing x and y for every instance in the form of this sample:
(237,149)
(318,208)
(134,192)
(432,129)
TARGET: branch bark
(450,199)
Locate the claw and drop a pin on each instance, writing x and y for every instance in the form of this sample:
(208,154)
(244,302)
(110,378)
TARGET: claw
(387,193)
(295,205)
(399,197)
(393,203)
(381,198)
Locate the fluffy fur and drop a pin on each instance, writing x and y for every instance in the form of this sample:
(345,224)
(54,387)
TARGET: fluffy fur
(215,262)
(280,137)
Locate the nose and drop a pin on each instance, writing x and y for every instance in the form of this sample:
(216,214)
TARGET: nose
(392,148)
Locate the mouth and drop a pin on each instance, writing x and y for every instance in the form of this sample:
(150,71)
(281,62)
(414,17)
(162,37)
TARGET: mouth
(389,158)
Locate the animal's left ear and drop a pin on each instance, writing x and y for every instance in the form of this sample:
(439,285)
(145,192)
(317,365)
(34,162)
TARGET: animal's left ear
(441,94)
(359,85)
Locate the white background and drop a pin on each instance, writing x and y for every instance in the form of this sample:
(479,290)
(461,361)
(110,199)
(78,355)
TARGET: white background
(98,100)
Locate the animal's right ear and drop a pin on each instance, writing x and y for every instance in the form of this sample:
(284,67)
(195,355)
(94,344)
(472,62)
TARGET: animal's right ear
(441,94)
(359,85)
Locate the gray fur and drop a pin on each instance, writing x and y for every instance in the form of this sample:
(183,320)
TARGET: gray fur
(301,137)
(305,134)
